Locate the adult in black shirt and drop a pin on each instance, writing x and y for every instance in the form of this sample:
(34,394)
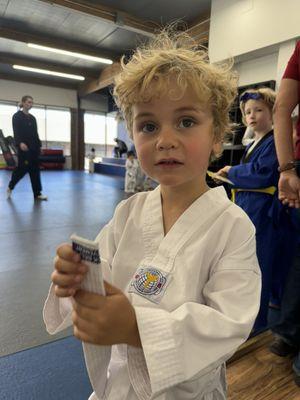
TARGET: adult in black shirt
(28,144)
(120,148)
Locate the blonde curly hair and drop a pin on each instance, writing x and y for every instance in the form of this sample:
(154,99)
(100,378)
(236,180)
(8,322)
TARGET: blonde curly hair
(175,54)
(267,95)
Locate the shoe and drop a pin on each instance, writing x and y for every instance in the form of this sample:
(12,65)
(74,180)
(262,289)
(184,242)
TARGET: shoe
(8,193)
(41,197)
(281,348)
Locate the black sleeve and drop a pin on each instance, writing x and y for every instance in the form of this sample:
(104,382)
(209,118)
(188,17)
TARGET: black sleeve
(17,128)
(36,131)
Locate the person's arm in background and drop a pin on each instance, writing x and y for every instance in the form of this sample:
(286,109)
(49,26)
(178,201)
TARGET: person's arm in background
(17,128)
(286,101)
(37,134)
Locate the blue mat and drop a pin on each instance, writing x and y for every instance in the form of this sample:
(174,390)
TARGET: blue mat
(54,371)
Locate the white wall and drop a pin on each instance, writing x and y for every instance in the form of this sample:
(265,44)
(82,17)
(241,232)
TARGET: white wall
(285,51)
(257,70)
(241,26)
(95,102)
(259,34)
(50,96)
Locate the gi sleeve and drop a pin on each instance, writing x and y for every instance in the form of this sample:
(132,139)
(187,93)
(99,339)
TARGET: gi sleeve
(196,338)
(57,311)
(259,173)
(17,128)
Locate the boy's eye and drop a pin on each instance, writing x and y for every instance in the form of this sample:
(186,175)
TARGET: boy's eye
(148,127)
(186,123)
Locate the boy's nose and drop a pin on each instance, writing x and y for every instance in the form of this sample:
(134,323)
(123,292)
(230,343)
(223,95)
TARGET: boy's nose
(166,139)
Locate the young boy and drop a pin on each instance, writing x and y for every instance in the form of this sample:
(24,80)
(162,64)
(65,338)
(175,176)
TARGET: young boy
(184,279)
(91,157)
(131,173)
(255,182)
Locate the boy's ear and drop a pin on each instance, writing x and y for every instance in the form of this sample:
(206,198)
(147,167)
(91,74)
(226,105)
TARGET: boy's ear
(217,149)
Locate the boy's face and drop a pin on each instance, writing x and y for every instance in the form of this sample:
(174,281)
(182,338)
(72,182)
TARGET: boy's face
(174,139)
(258,116)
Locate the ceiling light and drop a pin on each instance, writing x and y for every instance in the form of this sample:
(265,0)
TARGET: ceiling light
(47,72)
(70,53)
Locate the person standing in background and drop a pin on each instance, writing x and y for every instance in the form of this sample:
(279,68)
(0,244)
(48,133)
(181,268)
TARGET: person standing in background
(132,166)
(255,191)
(120,148)
(287,330)
(28,145)
(91,157)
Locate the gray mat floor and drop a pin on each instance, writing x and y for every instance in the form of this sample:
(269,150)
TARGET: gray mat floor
(29,234)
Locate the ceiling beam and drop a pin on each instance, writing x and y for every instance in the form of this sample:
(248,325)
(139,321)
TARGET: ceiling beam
(199,29)
(6,58)
(105,79)
(52,41)
(108,14)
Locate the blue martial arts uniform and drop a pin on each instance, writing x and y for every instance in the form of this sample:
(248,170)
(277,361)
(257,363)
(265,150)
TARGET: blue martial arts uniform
(273,222)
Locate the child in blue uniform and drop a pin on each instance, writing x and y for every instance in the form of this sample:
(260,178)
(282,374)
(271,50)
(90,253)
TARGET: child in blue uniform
(255,191)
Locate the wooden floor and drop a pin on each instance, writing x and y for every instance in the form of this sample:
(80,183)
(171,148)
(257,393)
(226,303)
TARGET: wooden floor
(254,373)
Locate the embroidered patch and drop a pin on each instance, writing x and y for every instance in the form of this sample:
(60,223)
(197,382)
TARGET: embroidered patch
(149,282)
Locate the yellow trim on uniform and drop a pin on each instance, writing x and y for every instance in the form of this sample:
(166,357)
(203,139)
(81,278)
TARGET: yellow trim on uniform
(268,190)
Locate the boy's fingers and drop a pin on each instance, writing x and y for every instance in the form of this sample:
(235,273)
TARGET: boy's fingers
(68,267)
(66,252)
(62,292)
(66,280)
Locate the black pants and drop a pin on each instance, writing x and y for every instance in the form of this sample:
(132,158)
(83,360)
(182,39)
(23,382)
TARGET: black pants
(28,162)
(289,324)
(119,152)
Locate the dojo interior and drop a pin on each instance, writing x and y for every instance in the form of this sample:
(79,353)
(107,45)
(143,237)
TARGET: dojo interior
(75,115)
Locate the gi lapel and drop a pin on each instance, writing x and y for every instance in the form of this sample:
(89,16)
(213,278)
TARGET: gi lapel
(154,274)
(247,156)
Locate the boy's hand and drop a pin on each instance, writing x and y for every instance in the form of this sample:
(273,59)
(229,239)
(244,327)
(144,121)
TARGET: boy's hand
(69,271)
(224,171)
(105,320)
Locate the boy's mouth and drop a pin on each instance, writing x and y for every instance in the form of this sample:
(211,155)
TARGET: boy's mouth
(169,161)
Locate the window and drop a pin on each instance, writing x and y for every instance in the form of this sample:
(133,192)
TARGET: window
(94,128)
(99,132)
(40,116)
(112,128)
(6,113)
(58,129)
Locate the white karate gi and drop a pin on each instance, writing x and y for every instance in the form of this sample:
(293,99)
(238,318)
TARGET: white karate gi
(194,308)
(91,157)
(132,167)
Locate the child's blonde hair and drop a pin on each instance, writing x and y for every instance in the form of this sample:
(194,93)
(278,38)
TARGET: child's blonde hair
(175,54)
(267,95)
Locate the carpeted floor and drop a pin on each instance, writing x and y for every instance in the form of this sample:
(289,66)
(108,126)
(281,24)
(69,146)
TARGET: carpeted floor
(29,234)
(54,371)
